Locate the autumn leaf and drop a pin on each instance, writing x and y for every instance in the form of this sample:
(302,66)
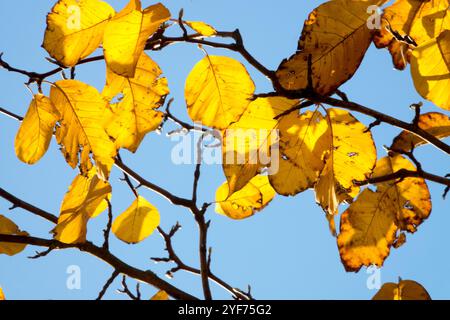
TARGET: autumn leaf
(202,28)
(137,222)
(404,290)
(10,228)
(2,295)
(420,20)
(411,194)
(430,70)
(371,225)
(351,156)
(81,130)
(36,130)
(217,91)
(436,124)
(244,203)
(160,295)
(86,198)
(75,29)
(126,35)
(304,138)
(367,230)
(336,37)
(247,143)
(135,115)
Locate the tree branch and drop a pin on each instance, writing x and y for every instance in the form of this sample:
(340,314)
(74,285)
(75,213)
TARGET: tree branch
(386,119)
(108,283)
(35,77)
(404,173)
(11,115)
(162,41)
(18,203)
(180,265)
(118,265)
(161,191)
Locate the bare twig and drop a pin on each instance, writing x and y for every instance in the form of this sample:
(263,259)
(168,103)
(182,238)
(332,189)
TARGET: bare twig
(128,292)
(18,203)
(145,183)
(180,265)
(108,283)
(107,230)
(126,178)
(10,114)
(41,254)
(181,123)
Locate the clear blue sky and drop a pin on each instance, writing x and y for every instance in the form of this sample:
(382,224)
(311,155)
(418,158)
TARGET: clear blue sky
(284,252)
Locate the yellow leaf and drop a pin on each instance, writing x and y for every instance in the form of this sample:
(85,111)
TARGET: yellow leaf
(160,295)
(137,222)
(420,20)
(135,115)
(126,35)
(36,130)
(218,90)
(2,295)
(404,290)
(369,227)
(367,230)
(247,143)
(430,69)
(202,28)
(351,156)
(244,203)
(86,198)
(411,194)
(10,228)
(75,29)
(81,130)
(304,138)
(434,123)
(337,37)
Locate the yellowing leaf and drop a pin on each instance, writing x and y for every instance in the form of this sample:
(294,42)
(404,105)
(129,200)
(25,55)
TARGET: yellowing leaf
(75,29)
(430,69)
(304,138)
(2,295)
(86,198)
(81,130)
(202,28)
(370,226)
(36,130)
(135,115)
(337,37)
(137,222)
(351,156)
(244,203)
(160,295)
(434,123)
(217,92)
(10,228)
(367,230)
(126,35)
(411,194)
(247,143)
(418,19)
(404,290)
